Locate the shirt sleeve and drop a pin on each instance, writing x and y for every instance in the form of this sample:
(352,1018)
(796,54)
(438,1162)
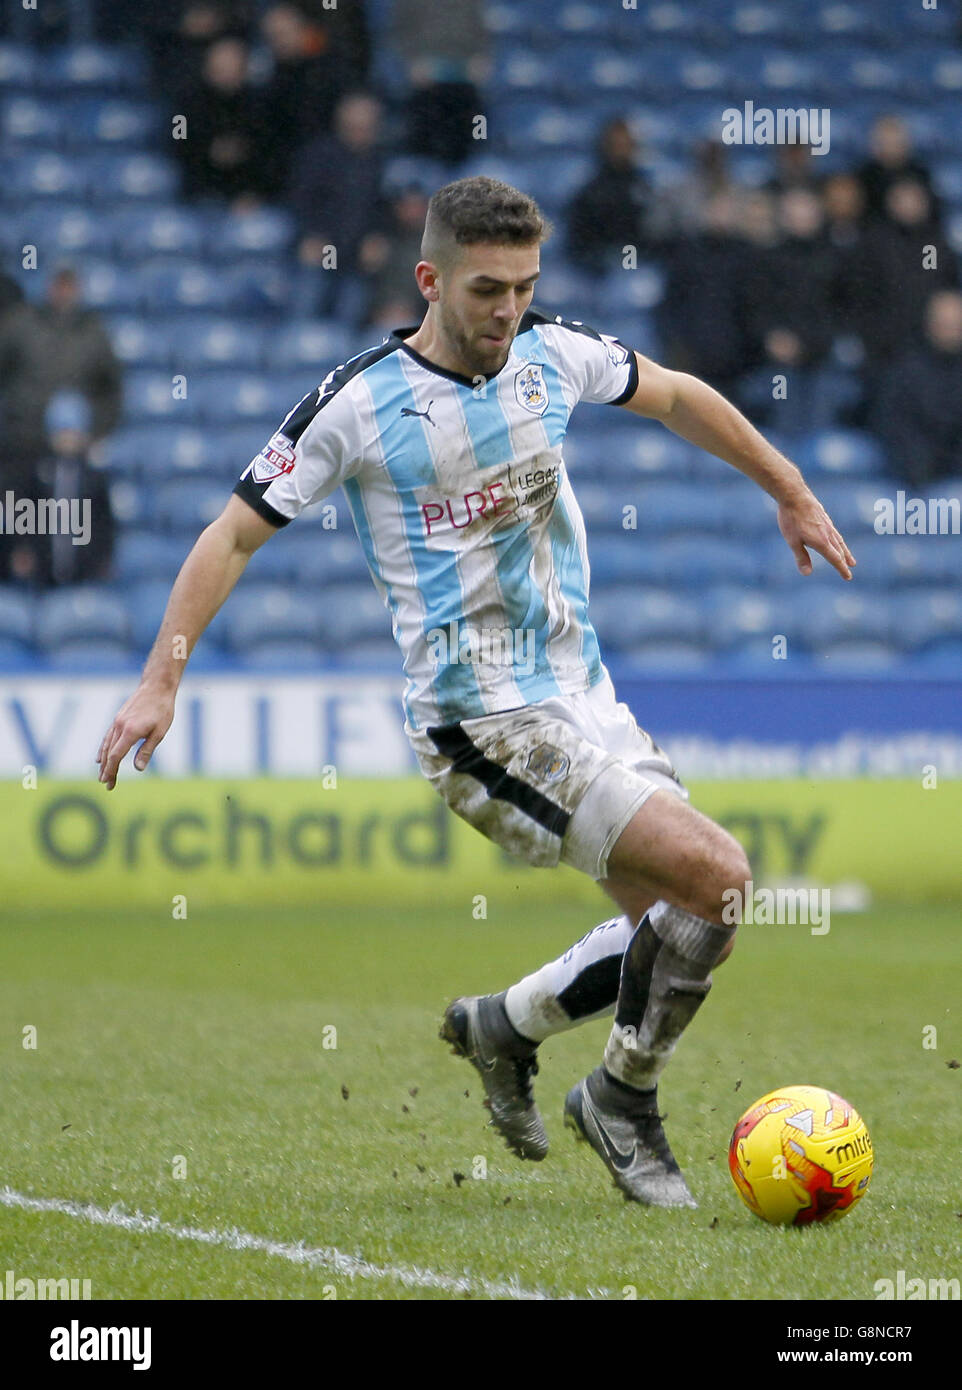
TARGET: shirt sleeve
(314,451)
(602,369)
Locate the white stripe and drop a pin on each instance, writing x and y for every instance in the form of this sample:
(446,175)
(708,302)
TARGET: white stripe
(349,1266)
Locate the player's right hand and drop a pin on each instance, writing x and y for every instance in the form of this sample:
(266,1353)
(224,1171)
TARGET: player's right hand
(147,716)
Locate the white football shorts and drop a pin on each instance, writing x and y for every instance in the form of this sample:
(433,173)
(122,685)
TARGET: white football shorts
(554,781)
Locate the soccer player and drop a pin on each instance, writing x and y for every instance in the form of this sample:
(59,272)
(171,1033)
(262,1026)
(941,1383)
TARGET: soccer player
(447,440)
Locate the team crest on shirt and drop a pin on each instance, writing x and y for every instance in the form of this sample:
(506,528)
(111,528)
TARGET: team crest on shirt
(530,390)
(276,457)
(547,763)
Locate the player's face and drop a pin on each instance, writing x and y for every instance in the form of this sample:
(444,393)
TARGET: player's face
(481,302)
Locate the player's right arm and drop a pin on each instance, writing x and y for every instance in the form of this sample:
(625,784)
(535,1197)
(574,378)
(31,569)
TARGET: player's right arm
(207,576)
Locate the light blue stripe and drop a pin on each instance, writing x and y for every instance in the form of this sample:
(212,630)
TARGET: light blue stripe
(409,465)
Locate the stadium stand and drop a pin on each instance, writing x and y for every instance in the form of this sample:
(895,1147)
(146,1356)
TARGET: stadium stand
(698,579)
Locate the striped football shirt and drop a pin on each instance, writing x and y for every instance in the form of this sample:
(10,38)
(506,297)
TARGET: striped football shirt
(463,506)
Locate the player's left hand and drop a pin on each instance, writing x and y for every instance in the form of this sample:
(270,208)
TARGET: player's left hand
(804,522)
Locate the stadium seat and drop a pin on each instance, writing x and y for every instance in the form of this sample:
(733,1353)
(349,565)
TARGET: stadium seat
(221,342)
(158,230)
(270,613)
(664,658)
(351,613)
(18,65)
(940,661)
(93,658)
(858,658)
(143,555)
(46,174)
(30,121)
(17,658)
(16,614)
(81,613)
(833,614)
(260,232)
(113,123)
(737,616)
(625,615)
(188,504)
(285,656)
(95,67)
(134,175)
(141,343)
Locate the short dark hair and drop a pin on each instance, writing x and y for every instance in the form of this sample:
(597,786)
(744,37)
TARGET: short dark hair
(480,209)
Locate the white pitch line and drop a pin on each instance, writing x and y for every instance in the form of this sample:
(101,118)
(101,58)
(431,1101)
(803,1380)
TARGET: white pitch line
(329,1258)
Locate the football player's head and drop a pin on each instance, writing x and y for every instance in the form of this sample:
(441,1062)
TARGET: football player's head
(480,260)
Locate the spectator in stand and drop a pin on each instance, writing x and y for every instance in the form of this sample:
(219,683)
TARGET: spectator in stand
(701,318)
(53,346)
(444,49)
(64,472)
(317,55)
(790,307)
(891,160)
(786,295)
(395,299)
(795,167)
(177,34)
(681,209)
(612,210)
(226,152)
(341,213)
(918,404)
(898,273)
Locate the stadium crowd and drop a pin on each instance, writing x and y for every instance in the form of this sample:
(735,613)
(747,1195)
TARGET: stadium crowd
(820,277)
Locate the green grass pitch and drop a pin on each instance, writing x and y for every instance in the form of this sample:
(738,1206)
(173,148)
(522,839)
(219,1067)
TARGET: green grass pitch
(198,1046)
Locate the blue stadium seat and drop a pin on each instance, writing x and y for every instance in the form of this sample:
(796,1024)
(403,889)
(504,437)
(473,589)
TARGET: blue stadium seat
(259,287)
(926,617)
(625,615)
(172,284)
(658,452)
(940,661)
(767,23)
(283,656)
(17,658)
(94,658)
(271,613)
(832,613)
(737,617)
(140,342)
(158,230)
(19,64)
(27,120)
(701,560)
(642,288)
(143,554)
(131,502)
(109,288)
(858,658)
(93,66)
(349,614)
(149,395)
(188,504)
(318,344)
(69,230)
(379,655)
(16,614)
(221,342)
(311,556)
(841,452)
(84,612)
(260,232)
(623,556)
(226,397)
(46,174)
(135,175)
(665,658)
(113,123)
(146,601)
(668,507)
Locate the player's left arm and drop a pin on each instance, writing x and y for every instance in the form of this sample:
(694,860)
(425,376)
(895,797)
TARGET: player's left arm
(696,412)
